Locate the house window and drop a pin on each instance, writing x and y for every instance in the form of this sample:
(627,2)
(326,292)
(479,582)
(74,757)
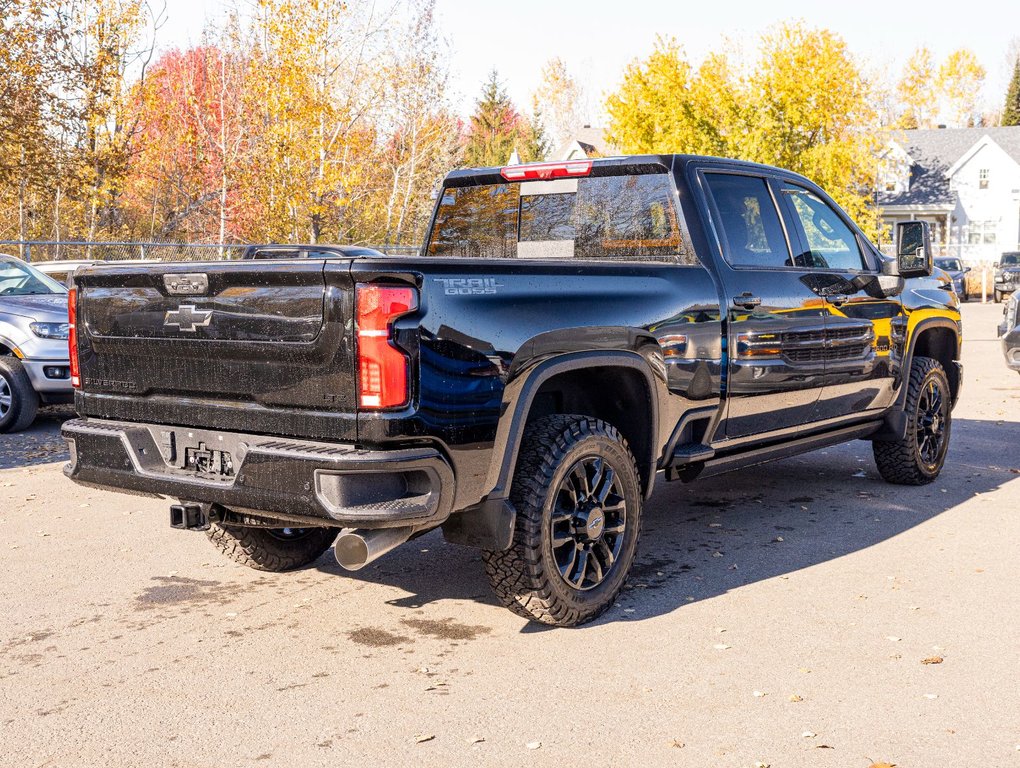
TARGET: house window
(982,232)
(983,178)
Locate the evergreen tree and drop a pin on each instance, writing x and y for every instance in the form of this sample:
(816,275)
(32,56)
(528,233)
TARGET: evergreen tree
(494,130)
(1011,112)
(533,145)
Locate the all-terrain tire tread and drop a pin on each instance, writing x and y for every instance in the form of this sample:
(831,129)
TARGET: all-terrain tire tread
(896,460)
(255,548)
(521,582)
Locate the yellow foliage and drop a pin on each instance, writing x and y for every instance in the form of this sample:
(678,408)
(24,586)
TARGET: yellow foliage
(804,105)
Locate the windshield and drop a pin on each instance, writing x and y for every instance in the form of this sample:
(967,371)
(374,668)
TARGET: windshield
(953,265)
(1011,259)
(607,218)
(19,279)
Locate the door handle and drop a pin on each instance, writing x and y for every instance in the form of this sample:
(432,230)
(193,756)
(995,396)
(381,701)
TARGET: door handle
(837,301)
(746,300)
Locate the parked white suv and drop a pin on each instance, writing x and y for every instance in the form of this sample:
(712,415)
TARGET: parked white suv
(34,366)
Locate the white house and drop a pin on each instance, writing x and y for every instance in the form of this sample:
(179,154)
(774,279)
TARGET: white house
(584,142)
(965,181)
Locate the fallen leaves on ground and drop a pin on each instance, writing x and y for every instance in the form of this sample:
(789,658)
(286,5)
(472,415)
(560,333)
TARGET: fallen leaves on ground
(933,660)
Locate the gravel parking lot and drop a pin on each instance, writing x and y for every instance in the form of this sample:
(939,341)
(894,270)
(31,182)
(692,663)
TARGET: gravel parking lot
(800,614)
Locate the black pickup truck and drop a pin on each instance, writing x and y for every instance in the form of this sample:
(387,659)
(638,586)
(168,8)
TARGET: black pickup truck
(568,331)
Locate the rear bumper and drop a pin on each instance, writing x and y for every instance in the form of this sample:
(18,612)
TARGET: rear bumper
(296,480)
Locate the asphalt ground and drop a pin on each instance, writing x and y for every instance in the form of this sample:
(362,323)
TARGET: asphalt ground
(803,613)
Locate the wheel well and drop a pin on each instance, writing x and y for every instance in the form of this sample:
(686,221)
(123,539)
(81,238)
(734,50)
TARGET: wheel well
(4,350)
(940,343)
(618,396)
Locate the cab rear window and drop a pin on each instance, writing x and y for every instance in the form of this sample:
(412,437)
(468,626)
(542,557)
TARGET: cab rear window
(603,218)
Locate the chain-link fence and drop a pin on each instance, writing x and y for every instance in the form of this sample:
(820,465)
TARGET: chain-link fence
(80,250)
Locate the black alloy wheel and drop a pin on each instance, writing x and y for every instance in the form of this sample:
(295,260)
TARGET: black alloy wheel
(588,523)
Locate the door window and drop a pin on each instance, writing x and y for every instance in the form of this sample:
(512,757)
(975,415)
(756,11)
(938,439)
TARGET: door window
(748,221)
(828,242)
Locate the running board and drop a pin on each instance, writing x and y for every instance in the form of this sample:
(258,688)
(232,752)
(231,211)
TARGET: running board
(749,458)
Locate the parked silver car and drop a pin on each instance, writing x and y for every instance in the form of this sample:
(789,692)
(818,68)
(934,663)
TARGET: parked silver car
(34,365)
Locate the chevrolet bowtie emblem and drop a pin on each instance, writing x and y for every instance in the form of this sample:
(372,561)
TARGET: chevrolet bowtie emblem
(187,318)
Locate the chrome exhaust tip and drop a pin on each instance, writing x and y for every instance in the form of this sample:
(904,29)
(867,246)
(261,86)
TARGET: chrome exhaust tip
(357,547)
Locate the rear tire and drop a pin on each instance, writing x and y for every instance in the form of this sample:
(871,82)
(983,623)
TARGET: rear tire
(578,498)
(271,549)
(998,296)
(918,458)
(18,400)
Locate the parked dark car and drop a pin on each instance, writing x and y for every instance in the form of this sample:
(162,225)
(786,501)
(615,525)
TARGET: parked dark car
(1009,331)
(569,331)
(957,273)
(1007,275)
(306,251)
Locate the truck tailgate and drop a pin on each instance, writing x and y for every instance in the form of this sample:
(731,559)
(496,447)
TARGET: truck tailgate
(261,346)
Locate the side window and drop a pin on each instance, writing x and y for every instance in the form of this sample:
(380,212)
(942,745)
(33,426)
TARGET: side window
(750,224)
(828,242)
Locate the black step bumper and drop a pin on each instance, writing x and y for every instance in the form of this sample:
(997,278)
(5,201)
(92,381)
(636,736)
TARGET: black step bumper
(297,480)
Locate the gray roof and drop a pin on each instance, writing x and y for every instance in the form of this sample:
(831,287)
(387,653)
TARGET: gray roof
(934,152)
(592,141)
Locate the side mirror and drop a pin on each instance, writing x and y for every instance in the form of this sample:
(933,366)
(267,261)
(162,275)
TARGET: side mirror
(913,249)
(967,269)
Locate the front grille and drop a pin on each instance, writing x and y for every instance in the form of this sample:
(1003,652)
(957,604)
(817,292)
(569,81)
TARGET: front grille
(818,354)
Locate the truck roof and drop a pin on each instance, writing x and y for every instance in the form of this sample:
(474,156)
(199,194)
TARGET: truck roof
(610,165)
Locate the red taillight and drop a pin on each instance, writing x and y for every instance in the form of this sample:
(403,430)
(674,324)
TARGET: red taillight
(72,335)
(382,367)
(546,170)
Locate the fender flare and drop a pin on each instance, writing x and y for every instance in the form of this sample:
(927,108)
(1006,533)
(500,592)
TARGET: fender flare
(510,431)
(908,358)
(894,426)
(489,524)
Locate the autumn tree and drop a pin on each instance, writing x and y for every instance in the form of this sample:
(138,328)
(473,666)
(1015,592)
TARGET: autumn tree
(423,130)
(917,91)
(960,79)
(560,101)
(107,55)
(661,103)
(809,110)
(196,119)
(1011,110)
(532,143)
(27,105)
(803,104)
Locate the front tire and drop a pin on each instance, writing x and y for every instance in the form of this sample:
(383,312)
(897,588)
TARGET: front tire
(918,458)
(271,549)
(18,401)
(578,498)
(998,296)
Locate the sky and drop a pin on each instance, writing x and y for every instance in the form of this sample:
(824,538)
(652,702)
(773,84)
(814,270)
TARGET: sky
(598,38)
